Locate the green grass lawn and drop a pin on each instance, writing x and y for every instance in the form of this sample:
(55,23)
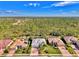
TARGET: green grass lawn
(25,50)
(48,49)
(71,50)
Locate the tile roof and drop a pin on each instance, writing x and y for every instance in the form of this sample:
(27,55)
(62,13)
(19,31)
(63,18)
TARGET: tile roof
(55,40)
(4,43)
(37,42)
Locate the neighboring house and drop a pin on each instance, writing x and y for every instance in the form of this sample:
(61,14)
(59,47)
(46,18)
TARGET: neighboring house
(55,41)
(73,40)
(36,43)
(70,39)
(5,42)
(52,41)
(21,43)
(67,39)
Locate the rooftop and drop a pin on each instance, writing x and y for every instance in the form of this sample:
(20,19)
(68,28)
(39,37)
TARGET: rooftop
(37,42)
(56,40)
(4,43)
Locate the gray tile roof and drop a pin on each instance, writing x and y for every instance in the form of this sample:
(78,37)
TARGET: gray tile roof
(36,43)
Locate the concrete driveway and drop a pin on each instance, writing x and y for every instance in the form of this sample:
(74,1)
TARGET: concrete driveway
(34,52)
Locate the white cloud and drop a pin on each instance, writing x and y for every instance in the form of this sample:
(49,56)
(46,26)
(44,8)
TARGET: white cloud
(9,11)
(64,3)
(32,4)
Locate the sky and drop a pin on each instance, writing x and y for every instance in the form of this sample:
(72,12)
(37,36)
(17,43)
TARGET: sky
(39,8)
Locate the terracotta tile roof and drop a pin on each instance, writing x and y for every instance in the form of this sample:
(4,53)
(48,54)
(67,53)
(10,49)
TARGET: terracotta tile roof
(4,43)
(56,40)
(60,45)
(70,38)
(13,48)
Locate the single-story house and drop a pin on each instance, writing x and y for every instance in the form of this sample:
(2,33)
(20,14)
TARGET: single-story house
(20,43)
(36,43)
(55,41)
(73,40)
(70,39)
(5,42)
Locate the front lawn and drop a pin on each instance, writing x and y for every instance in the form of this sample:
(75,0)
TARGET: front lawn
(71,50)
(50,50)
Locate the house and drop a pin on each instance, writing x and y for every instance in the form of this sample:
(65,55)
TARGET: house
(67,39)
(5,42)
(70,39)
(55,41)
(36,43)
(74,42)
(21,43)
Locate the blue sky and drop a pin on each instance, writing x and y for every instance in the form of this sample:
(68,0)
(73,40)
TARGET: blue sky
(39,8)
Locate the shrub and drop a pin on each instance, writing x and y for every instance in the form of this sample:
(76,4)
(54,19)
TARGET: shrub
(55,33)
(6,51)
(30,41)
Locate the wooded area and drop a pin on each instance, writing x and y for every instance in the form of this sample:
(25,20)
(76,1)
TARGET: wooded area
(38,26)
